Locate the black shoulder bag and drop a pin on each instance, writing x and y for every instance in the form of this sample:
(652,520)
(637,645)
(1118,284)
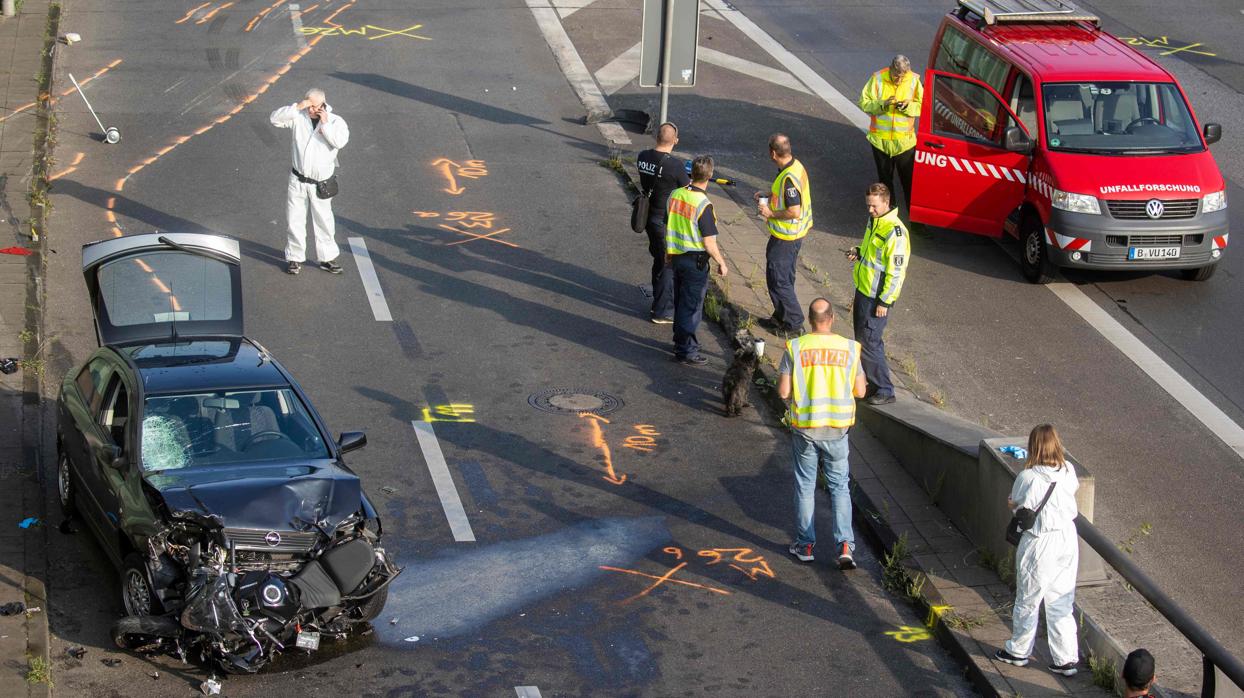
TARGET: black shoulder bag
(642,203)
(1025,518)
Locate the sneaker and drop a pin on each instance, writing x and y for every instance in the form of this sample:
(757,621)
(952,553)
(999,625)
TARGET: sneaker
(845,560)
(331,267)
(1068,669)
(697,360)
(789,332)
(662,320)
(1004,656)
(803,552)
(769,323)
(293,268)
(880,399)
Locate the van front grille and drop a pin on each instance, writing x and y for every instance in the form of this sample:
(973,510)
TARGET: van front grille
(1135,210)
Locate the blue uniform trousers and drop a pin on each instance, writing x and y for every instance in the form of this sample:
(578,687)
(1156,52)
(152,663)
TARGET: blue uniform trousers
(780,258)
(868,332)
(662,277)
(690,285)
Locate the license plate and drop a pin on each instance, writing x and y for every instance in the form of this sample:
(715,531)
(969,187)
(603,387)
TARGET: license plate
(308,640)
(1153,253)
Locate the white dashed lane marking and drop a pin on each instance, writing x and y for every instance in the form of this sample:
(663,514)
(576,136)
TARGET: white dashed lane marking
(444,483)
(371,282)
(527,691)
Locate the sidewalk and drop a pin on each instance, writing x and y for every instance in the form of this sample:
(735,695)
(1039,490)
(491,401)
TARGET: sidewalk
(25,635)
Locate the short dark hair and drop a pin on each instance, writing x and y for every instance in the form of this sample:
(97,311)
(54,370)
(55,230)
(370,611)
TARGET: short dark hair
(702,168)
(880,191)
(779,143)
(1138,669)
(667,133)
(820,317)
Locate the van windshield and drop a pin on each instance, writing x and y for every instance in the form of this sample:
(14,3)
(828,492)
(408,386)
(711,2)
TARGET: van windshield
(1125,118)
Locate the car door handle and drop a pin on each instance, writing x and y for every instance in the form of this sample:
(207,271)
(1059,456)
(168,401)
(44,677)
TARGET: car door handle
(931,144)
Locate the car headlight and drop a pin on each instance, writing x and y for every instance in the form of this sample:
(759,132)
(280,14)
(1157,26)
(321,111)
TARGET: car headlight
(1214,202)
(1076,203)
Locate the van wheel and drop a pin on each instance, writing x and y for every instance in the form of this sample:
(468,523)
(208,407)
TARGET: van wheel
(1198,274)
(64,487)
(1034,258)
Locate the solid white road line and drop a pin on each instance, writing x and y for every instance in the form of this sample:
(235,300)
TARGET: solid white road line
(371,283)
(617,73)
(444,482)
(295,18)
(527,691)
(568,7)
(751,69)
(1205,411)
(575,71)
(1166,377)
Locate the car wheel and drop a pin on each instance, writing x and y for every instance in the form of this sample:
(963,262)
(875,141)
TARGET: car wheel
(137,596)
(371,609)
(65,488)
(1034,258)
(1198,274)
(144,632)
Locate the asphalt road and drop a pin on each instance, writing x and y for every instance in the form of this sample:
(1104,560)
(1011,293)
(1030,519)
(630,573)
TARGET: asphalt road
(1009,355)
(466,112)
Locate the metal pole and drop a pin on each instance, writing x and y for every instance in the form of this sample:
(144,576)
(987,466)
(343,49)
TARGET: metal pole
(667,40)
(88,104)
(9,7)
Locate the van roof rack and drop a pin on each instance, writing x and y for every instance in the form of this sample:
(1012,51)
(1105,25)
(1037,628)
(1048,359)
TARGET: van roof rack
(1027,11)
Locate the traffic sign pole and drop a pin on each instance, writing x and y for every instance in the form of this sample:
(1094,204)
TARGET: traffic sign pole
(667,44)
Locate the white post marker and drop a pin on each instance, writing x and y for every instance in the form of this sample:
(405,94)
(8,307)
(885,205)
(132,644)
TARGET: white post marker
(527,691)
(1166,377)
(371,282)
(444,482)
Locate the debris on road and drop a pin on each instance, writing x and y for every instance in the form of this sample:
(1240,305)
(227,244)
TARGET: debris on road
(28,522)
(76,652)
(19,251)
(8,366)
(1015,452)
(155,675)
(388,490)
(210,687)
(12,608)
(110,662)
(413,638)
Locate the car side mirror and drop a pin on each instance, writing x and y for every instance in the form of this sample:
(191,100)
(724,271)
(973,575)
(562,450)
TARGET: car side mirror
(351,441)
(1213,133)
(1016,141)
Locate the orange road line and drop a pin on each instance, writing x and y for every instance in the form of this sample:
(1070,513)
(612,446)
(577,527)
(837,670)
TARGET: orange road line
(73,166)
(477,236)
(308,10)
(705,587)
(211,14)
(17,111)
(191,13)
(263,13)
(64,93)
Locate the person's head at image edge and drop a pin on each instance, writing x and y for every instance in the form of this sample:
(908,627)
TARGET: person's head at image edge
(1138,674)
(1045,448)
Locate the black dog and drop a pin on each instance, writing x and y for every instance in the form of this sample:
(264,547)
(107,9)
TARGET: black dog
(738,379)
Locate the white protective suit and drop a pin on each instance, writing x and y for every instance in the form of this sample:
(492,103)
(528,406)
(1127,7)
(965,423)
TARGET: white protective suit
(1045,564)
(315,156)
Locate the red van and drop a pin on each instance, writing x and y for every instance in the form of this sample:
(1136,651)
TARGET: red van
(1039,124)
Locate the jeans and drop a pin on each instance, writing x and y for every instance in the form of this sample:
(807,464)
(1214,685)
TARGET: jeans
(868,332)
(780,258)
(901,164)
(662,276)
(690,285)
(810,456)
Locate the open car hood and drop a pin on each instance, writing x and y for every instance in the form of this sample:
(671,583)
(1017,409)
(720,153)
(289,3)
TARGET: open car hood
(162,286)
(269,497)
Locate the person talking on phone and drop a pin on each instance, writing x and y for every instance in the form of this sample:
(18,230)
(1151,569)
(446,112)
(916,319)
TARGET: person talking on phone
(892,99)
(318,134)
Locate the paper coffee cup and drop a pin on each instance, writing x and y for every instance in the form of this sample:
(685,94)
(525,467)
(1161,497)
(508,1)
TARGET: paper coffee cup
(760,347)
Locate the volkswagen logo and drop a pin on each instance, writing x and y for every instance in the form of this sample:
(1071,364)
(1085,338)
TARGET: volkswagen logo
(273,539)
(1154,208)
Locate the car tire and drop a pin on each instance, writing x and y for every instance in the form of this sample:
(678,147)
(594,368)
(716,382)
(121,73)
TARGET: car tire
(134,632)
(138,598)
(1034,257)
(371,609)
(1199,274)
(66,491)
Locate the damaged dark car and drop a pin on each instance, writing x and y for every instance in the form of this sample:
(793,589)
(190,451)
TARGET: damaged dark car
(205,473)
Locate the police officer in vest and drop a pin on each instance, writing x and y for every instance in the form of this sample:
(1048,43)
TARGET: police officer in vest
(820,375)
(892,98)
(787,207)
(690,241)
(880,267)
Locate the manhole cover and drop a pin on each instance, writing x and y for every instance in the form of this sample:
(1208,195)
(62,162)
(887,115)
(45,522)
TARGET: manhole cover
(575,401)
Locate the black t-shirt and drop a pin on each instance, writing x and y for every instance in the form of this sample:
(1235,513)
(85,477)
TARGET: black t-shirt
(708,220)
(660,178)
(790,192)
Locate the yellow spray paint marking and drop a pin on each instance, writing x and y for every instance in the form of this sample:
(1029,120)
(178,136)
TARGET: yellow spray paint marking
(644,441)
(1164,42)
(453,412)
(935,614)
(376,33)
(906,633)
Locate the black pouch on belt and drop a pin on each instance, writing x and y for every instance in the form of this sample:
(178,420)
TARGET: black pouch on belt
(326,189)
(701,261)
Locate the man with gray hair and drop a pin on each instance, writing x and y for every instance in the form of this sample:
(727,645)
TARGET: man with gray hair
(318,134)
(892,100)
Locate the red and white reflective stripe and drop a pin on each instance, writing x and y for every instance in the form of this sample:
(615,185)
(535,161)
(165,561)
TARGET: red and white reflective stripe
(974,167)
(1041,186)
(1068,243)
(1220,241)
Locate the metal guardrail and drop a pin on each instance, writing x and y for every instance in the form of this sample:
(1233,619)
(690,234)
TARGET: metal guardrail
(1211,650)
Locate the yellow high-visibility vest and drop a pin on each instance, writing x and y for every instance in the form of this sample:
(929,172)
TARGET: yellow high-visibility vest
(794,228)
(890,130)
(823,368)
(682,225)
(885,255)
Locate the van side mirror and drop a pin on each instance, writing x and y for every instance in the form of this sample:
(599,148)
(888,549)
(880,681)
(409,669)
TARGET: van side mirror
(1016,141)
(1213,133)
(351,441)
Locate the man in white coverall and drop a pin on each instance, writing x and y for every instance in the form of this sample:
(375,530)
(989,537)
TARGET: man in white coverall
(318,135)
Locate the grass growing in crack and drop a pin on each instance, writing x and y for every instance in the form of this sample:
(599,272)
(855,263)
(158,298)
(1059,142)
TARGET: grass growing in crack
(1003,566)
(894,574)
(39,671)
(747,323)
(907,365)
(1129,545)
(26,336)
(938,398)
(750,280)
(1105,673)
(712,306)
(964,623)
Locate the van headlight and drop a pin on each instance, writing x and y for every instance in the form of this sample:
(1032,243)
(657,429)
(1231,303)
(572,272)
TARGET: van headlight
(1076,203)
(1214,202)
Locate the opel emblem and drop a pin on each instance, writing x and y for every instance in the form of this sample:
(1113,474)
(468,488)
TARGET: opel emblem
(1154,208)
(273,539)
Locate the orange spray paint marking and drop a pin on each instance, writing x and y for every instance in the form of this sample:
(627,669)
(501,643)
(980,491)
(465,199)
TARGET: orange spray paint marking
(211,14)
(73,166)
(307,10)
(743,556)
(598,440)
(662,579)
(471,169)
(476,236)
(45,96)
(262,14)
(676,552)
(191,13)
(645,441)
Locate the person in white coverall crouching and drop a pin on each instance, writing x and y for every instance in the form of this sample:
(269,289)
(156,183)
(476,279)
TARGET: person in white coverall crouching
(1047,557)
(318,134)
